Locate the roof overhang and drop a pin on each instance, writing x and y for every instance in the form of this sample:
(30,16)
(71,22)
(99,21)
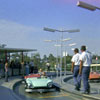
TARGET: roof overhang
(12,50)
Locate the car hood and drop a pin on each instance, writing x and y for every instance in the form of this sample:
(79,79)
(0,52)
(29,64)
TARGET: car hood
(39,82)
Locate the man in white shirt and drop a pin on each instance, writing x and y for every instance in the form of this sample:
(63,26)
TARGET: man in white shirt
(75,69)
(48,67)
(85,62)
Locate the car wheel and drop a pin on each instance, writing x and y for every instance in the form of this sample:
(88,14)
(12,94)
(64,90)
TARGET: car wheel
(26,86)
(49,85)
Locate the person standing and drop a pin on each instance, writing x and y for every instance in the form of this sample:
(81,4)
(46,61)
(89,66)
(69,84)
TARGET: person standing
(48,67)
(1,69)
(58,69)
(6,72)
(12,67)
(31,66)
(75,69)
(23,69)
(27,68)
(85,62)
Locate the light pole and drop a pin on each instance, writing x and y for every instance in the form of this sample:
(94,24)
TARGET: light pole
(57,59)
(62,31)
(57,45)
(57,48)
(87,6)
(64,40)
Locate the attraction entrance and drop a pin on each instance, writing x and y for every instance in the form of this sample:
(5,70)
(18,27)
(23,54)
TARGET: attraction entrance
(15,69)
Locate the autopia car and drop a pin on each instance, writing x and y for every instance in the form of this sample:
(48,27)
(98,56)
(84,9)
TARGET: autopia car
(38,82)
(94,74)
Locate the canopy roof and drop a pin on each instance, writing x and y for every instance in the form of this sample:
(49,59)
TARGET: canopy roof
(12,50)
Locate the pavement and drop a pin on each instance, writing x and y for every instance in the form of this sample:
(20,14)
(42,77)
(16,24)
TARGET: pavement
(6,89)
(67,85)
(7,93)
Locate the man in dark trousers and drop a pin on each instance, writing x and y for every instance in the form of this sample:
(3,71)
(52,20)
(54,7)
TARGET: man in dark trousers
(6,72)
(75,69)
(85,62)
(31,66)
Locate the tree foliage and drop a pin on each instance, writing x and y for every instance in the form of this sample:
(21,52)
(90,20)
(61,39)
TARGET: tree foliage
(38,61)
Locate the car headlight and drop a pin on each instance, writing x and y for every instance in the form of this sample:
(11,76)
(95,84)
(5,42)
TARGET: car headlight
(49,85)
(30,85)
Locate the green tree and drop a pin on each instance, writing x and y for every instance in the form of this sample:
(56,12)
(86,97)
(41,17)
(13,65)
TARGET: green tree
(18,56)
(2,54)
(44,61)
(52,60)
(37,60)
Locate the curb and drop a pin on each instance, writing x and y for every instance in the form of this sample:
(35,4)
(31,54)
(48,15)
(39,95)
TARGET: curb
(10,85)
(13,93)
(16,97)
(86,96)
(16,83)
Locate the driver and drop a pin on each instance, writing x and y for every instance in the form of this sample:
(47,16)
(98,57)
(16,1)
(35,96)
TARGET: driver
(42,74)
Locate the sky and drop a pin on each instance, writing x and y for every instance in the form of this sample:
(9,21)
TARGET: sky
(22,23)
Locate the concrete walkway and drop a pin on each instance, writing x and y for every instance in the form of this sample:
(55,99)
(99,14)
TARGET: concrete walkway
(66,86)
(6,88)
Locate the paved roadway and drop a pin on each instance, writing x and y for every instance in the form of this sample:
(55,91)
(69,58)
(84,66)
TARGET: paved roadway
(56,95)
(20,90)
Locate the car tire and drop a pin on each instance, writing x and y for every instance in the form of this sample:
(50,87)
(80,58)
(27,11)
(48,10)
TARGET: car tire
(49,85)
(26,86)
